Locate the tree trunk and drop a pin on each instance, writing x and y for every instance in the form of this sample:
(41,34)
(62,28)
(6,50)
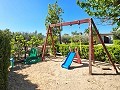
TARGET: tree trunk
(60,38)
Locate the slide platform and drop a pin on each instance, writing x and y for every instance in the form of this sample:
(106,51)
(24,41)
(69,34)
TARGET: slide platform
(68,60)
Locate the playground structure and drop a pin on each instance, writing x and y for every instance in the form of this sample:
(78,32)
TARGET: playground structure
(91,45)
(33,57)
(70,57)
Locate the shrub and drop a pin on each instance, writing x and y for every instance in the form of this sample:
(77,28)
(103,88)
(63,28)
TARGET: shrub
(99,53)
(5,49)
(66,38)
(116,42)
(115,52)
(64,49)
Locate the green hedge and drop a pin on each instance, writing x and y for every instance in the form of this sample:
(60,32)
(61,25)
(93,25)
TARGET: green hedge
(99,52)
(64,49)
(5,49)
(116,42)
(115,52)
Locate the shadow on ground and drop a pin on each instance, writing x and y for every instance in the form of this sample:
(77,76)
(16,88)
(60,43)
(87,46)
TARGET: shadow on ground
(106,74)
(20,67)
(18,82)
(82,65)
(55,59)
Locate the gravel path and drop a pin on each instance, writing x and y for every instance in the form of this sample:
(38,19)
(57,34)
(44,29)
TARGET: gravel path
(50,76)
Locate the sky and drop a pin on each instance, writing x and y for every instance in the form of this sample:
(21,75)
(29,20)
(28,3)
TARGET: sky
(29,15)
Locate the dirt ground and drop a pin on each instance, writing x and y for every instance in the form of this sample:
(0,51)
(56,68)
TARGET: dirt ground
(49,75)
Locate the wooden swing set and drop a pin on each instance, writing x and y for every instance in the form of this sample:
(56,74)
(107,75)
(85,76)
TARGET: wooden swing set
(91,46)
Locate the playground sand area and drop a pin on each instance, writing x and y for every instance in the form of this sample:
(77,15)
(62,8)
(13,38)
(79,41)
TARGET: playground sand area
(49,75)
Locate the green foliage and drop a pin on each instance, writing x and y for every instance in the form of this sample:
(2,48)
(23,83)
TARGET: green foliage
(95,37)
(116,42)
(5,49)
(54,14)
(115,53)
(76,38)
(76,33)
(85,40)
(116,33)
(106,10)
(53,17)
(66,38)
(21,41)
(99,53)
(64,49)
(87,31)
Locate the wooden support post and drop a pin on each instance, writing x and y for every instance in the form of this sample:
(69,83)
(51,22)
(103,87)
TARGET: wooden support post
(49,32)
(60,28)
(44,46)
(110,60)
(52,42)
(90,47)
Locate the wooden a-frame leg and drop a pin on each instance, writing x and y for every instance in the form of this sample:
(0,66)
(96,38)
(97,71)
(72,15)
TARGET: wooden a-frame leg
(44,46)
(90,47)
(110,60)
(53,43)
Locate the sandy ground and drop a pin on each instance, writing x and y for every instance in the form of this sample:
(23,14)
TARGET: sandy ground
(50,76)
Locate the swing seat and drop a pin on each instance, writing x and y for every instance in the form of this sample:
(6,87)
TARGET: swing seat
(32,58)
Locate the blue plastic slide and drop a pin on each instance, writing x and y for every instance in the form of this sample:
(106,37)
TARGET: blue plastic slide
(68,60)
